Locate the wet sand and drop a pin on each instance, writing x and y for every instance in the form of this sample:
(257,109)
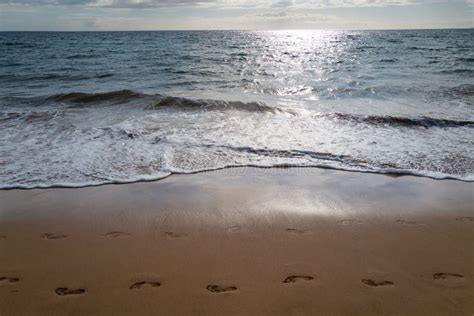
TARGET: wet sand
(241,242)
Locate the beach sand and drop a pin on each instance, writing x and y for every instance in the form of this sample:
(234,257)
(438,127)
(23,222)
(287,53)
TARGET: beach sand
(241,242)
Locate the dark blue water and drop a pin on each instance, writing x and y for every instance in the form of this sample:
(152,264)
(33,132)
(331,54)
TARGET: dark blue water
(84,108)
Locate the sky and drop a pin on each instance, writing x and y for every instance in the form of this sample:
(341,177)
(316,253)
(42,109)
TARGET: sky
(104,15)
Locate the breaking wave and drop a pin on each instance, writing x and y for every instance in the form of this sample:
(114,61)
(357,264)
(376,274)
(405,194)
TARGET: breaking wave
(81,97)
(395,121)
(156,101)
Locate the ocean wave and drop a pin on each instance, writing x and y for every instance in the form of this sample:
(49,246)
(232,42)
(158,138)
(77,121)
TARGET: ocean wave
(278,153)
(156,101)
(9,77)
(456,92)
(396,41)
(71,75)
(364,47)
(81,97)
(388,60)
(457,71)
(29,116)
(19,44)
(80,56)
(146,146)
(162,175)
(9,116)
(185,103)
(105,75)
(424,48)
(422,121)
(465,59)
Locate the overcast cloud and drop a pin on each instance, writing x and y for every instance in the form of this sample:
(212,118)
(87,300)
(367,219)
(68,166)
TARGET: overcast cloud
(296,4)
(233,14)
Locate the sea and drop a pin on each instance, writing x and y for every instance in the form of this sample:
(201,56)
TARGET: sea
(90,108)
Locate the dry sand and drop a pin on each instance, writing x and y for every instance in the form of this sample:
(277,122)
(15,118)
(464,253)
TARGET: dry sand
(241,242)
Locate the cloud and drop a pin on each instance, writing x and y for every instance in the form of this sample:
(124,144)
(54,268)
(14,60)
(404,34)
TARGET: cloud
(284,3)
(49,2)
(286,17)
(226,4)
(281,14)
(139,4)
(145,4)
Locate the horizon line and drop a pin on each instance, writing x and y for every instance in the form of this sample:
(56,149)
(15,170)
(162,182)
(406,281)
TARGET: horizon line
(240,30)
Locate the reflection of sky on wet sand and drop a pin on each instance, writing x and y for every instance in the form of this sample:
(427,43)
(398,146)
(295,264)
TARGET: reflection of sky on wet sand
(244,195)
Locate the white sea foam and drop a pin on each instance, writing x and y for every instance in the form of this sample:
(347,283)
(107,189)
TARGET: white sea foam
(76,142)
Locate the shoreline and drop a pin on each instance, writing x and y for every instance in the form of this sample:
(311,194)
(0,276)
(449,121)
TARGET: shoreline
(395,173)
(241,241)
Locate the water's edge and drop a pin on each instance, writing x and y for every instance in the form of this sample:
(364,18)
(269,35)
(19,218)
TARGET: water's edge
(387,172)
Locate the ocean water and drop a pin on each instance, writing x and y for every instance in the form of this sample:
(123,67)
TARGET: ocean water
(105,107)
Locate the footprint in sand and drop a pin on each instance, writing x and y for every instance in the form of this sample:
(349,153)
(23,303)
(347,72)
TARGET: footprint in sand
(116,234)
(465,219)
(233,229)
(142,284)
(176,235)
(405,222)
(9,279)
(351,222)
(447,276)
(296,231)
(373,283)
(62,291)
(220,289)
(296,278)
(53,236)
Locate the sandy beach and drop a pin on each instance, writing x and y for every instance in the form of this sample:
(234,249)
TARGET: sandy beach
(241,242)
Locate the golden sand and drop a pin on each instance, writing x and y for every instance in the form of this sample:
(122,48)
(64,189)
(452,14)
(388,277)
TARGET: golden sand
(241,242)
